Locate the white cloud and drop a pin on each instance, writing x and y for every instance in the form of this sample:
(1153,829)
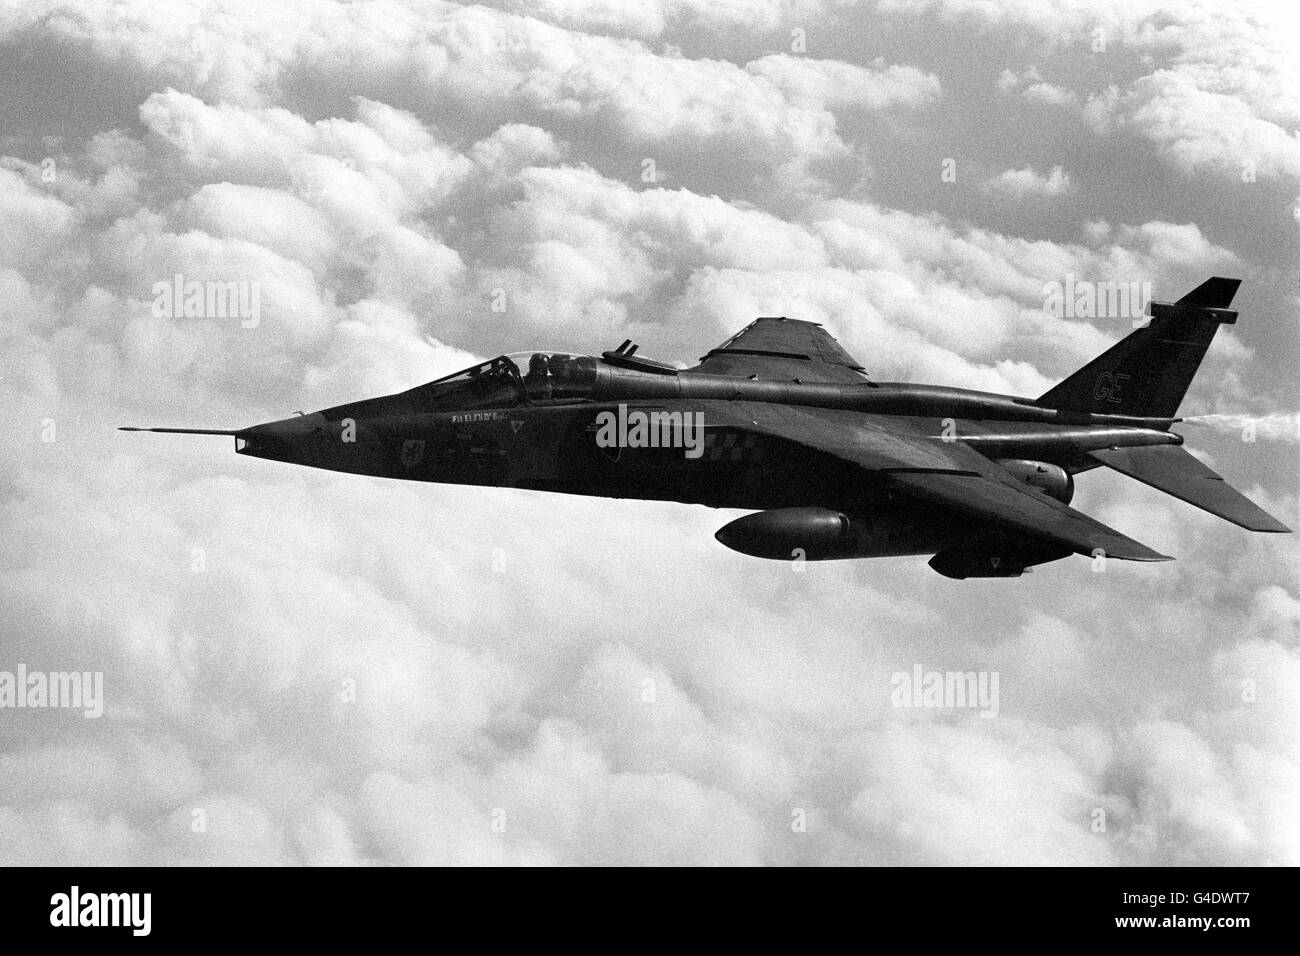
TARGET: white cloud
(1022,183)
(836,84)
(1031,86)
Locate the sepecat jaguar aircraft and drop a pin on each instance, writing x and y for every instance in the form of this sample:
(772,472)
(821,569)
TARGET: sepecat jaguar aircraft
(781,420)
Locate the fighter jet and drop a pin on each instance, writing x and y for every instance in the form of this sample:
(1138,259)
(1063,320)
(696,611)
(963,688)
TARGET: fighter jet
(782,421)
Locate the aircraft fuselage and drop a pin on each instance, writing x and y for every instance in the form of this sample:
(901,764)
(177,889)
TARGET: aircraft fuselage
(555,445)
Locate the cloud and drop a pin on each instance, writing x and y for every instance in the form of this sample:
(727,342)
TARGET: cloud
(1022,183)
(835,84)
(1030,86)
(1200,130)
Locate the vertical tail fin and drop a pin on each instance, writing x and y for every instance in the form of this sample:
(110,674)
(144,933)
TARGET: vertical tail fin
(1148,372)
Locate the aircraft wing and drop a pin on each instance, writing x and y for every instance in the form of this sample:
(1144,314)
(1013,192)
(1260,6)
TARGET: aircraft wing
(784,350)
(950,475)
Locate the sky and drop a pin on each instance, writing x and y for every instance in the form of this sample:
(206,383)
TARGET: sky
(301,667)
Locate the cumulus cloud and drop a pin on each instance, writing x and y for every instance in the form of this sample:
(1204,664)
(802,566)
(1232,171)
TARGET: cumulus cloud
(1031,86)
(303,667)
(1199,129)
(1021,183)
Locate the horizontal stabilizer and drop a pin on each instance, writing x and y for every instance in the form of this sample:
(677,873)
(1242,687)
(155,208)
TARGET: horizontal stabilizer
(1175,471)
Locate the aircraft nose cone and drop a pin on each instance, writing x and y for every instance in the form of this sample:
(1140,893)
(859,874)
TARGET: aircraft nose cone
(276,440)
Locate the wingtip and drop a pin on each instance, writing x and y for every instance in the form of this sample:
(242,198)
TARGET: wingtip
(1276,528)
(1126,549)
(1146,556)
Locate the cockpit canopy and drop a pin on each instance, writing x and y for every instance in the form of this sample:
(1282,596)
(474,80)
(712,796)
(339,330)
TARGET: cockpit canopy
(555,376)
(515,379)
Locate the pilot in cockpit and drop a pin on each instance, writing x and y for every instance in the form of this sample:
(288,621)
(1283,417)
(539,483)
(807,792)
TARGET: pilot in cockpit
(537,381)
(561,373)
